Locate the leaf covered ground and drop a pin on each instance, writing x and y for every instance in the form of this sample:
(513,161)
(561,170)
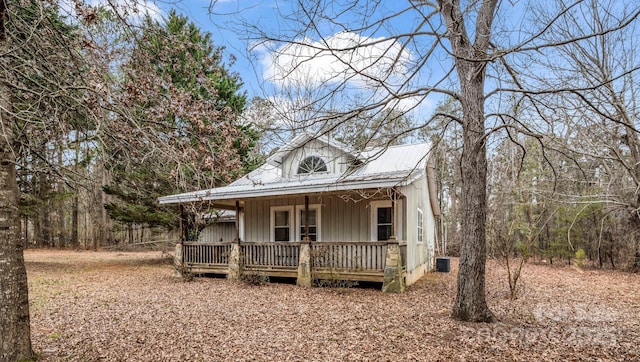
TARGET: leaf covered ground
(110,306)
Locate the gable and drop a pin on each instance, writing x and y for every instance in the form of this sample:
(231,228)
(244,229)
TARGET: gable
(335,159)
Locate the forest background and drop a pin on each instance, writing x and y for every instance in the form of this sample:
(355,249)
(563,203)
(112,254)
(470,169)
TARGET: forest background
(531,109)
(158,111)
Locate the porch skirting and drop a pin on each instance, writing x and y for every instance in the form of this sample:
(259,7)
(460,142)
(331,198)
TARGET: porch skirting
(382,261)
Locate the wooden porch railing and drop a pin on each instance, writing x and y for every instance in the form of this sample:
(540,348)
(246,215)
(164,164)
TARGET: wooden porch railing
(270,254)
(206,254)
(350,256)
(340,257)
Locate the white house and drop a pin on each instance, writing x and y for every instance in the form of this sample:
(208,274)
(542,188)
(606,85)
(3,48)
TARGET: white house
(358,205)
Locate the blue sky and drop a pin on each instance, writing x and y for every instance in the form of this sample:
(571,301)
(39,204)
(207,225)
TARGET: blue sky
(261,70)
(255,63)
(222,22)
(311,73)
(333,57)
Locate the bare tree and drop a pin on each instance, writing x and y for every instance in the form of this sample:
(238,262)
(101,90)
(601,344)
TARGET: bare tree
(15,334)
(599,108)
(363,56)
(63,104)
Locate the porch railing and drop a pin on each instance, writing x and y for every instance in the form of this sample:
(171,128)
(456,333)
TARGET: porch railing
(206,254)
(270,254)
(349,256)
(341,256)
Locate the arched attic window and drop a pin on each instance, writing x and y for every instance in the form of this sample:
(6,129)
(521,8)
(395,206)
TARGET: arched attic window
(312,164)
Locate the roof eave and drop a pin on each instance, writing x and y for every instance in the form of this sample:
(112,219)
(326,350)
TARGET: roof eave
(292,190)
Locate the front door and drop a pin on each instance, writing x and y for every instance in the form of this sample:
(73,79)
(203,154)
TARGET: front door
(384,217)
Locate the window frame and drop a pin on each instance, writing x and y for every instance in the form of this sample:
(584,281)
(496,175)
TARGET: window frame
(314,171)
(399,220)
(272,227)
(375,205)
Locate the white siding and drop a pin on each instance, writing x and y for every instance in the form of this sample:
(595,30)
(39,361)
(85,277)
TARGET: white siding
(417,196)
(340,220)
(216,232)
(335,159)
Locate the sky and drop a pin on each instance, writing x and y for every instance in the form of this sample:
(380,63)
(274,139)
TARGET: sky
(304,70)
(260,69)
(263,72)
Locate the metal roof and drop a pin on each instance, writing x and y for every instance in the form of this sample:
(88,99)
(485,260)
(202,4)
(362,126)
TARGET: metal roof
(381,167)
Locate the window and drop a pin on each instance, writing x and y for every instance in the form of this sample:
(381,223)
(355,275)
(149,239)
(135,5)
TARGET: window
(420,226)
(381,220)
(281,223)
(313,224)
(312,164)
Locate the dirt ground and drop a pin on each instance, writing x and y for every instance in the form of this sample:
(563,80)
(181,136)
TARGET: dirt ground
(129,306)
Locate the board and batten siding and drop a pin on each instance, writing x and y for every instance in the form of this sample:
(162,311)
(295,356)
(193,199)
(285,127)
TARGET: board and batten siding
(219,231)
(340,220)
(417,196)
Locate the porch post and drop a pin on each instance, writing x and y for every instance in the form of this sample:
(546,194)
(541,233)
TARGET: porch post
(393,281)
(393,214)
(237,220)
(235,267)
(306,217)
(304,259)
(183,229)
(178,261)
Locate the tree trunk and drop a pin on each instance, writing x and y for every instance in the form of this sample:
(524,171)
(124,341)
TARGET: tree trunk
(15,335)
(26,231)
(471,59)
(75,242)
(470,302)
(104,219)
(37,230)
(59,225)
(45,215)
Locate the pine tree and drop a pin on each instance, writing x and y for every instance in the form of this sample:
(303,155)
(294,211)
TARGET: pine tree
(187,103)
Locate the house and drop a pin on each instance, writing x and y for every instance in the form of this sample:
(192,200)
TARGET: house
(219,227)
(317,209)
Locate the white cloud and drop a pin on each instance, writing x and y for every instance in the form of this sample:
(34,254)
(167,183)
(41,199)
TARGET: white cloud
(342,57)
(132,10)
(305,74)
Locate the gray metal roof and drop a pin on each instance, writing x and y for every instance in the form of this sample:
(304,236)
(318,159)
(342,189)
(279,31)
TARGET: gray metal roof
(381,167)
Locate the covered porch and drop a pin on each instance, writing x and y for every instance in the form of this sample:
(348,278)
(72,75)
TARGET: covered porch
(353,261)
(309,260)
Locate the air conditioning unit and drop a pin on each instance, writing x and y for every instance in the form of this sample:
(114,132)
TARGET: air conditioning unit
(443,264)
